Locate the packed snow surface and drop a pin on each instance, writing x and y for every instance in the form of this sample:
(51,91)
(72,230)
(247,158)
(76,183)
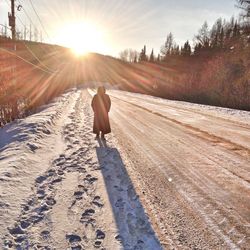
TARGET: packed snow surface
(171,175)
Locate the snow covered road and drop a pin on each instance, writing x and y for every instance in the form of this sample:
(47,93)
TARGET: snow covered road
(171,175)
(192,163)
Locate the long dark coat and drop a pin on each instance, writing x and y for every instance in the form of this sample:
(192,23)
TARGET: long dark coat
(101,105)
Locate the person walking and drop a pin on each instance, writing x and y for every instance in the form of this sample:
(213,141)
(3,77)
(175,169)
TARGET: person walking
(101,104)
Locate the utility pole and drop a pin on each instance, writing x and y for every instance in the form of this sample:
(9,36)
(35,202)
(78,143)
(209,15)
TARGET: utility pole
(12,24)
(12,20)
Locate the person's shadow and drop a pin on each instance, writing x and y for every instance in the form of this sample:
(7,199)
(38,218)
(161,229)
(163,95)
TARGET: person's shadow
(134,228)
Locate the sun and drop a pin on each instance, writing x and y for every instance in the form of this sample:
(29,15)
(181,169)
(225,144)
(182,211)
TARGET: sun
(82,38)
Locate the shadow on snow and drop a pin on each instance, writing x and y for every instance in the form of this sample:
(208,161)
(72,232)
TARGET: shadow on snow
(134,228)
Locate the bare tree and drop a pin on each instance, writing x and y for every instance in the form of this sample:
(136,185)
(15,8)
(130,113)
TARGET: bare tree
(4,30)
(36,34)
(25,32)
(128,55)
(132,55)
(168,45)
(203,36)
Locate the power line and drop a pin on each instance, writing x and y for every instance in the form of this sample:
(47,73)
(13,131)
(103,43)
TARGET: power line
(20,20)
(25,12)
(32,5)
(48,70)
(23,59)
(38,58)
(27,15)
(33,54)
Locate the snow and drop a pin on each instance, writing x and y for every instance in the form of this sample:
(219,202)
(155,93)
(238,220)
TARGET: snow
(233,114)
(60,188)
(59,183)
(206,156)
(218,124)
(26,149)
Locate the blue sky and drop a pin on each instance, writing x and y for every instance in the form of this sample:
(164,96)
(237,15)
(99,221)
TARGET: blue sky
(127,23)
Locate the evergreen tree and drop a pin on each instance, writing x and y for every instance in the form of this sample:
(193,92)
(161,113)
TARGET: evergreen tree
(215,35)
(158,58)
(143,56)
(175,50)
(152,57)
(221,39)
(186,49)
(197,49)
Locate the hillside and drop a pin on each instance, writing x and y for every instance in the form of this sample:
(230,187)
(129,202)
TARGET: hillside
(34,73)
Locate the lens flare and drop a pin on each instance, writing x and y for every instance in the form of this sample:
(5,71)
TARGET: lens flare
(82,37)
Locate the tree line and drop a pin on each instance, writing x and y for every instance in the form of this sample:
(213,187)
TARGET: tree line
(214,70)
(223,36)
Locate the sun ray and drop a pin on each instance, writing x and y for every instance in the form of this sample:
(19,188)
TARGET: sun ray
(82,37)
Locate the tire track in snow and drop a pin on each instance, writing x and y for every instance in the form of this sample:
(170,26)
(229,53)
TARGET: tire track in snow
(237,148)
(239,234)
(188,110)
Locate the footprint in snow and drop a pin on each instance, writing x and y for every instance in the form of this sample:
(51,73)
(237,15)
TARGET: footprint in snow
(40,179)
(86,217)
(88,221)
(16,230)
(69,147)
(78,195)
(45,234)
(41,193)
(50,201)
(56,179)
(24,224)
(100,236)
(97,201)
(78,247)
(73,238)
(88,213)
(90,179)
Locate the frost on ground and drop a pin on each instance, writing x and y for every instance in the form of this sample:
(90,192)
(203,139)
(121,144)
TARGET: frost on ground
(61,189)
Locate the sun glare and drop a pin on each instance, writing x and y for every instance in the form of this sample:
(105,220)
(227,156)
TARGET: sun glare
(82,38)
